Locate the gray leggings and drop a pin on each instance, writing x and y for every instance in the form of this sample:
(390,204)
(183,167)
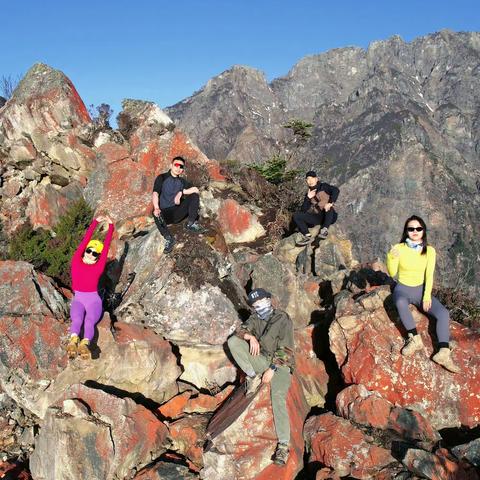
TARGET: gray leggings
(403,296)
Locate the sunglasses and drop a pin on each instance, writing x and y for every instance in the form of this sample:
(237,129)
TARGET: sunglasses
(415,229)
(92,252)
(181,166)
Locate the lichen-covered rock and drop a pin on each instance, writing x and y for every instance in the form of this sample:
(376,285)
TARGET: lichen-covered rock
(309,368)
(245,449)
(335,442)
(366,339)
(166,471)
(298,295)
(112,436)
(363,407)
(206,366)
(238,223)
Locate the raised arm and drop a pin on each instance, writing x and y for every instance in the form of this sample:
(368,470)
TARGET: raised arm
(86,238)
(106,245)
(393,259)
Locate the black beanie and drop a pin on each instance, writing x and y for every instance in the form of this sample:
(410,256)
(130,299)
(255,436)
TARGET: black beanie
(311,173)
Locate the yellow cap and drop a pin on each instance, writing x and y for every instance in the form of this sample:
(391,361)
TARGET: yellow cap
(95,245)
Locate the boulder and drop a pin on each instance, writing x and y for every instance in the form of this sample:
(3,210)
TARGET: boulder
(154,141)
(134,361)
(33,365)
(188,436)
(189,402)
(309,368)
(31,328)
(366,339)
(336,443)
(112,436)
(245,449)
(14,470)
(363,407)
(166,471)
(469,452)
(179,296)
(438,465)
(298,295)
(333,254)
(47,203)
(44,101)
(238,223)
(206,367)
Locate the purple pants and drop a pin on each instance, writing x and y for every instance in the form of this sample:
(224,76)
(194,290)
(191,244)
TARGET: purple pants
(86,306)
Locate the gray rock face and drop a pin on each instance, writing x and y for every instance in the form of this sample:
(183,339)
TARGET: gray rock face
(228,116)
(3,101)
(396,127)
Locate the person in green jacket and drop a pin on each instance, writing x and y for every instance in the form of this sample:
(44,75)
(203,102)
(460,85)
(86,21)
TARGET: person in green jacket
(264,349)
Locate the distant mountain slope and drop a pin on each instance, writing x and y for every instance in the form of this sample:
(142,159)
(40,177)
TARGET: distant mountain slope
(398,123)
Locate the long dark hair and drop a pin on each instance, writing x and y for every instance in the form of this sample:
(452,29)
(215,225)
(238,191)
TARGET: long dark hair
(422,223)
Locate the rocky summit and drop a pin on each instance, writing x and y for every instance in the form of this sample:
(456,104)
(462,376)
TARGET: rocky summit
(161,398)
(395,126)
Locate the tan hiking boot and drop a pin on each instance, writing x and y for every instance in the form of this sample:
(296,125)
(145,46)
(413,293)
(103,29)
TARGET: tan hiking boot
(83,350)
(72,346)
(281,454)
(444,358)
(412,344)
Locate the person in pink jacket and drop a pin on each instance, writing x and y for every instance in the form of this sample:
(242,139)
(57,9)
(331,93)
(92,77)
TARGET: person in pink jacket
(88,263)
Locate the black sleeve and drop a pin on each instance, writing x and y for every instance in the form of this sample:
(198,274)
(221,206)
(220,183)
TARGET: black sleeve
(332,191)
(157,186)
(306,204)
(186,183)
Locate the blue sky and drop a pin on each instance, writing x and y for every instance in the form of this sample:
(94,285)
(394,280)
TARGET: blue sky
(165,50)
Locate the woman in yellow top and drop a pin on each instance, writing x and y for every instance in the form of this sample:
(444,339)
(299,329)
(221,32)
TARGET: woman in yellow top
(413,262)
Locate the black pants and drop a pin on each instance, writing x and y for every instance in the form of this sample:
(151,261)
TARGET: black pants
(305,219)
(189,206)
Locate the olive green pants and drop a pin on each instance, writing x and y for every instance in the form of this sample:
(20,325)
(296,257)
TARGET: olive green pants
(240,350)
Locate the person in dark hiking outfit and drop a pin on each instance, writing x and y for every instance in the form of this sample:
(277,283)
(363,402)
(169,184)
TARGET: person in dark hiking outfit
(317,208)
(413,262)
(264,349)
(173,199)
(88,264)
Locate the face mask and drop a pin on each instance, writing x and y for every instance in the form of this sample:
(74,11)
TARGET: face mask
(263,308)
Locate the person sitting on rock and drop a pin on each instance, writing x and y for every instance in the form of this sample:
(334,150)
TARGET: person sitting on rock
(88,264)
(263,348)
(317,208)
(413,261)
(174,199)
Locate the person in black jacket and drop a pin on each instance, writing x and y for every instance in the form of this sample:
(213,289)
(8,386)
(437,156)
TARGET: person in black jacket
(173,199)
(317,208)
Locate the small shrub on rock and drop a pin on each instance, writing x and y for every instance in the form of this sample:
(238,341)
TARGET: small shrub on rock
(51,252)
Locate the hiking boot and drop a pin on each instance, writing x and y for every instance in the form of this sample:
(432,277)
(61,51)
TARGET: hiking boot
(412,344)
(281,454)
(323,233)
(303,240)
(444,358)
(252,384)
(169,243)
(195,227)
(72,346)
(84,350)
